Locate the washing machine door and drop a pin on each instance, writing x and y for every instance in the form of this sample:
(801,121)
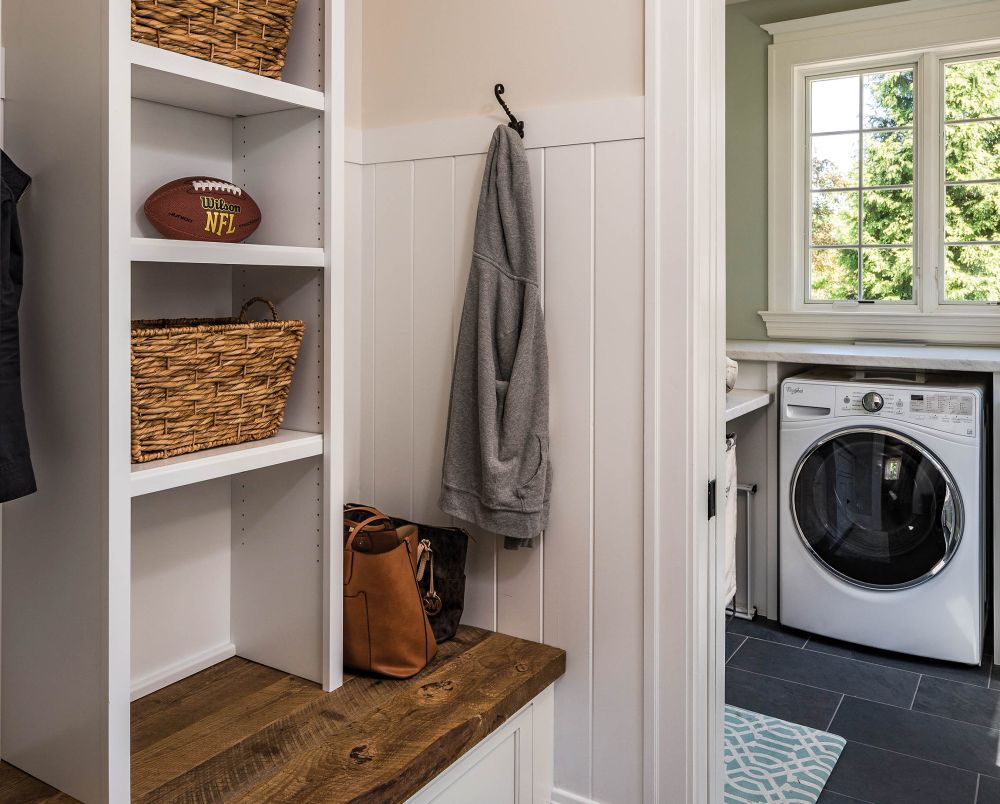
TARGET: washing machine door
(876,508)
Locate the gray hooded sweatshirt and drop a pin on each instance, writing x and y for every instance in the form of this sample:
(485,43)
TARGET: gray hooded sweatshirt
(496,458)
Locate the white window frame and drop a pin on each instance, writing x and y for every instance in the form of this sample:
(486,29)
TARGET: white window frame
(927,34)
(805,245)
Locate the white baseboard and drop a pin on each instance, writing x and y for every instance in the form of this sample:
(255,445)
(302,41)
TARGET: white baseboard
(560,796)
(151,682)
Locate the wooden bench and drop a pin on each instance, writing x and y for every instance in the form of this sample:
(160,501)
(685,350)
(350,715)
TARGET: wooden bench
(240,731)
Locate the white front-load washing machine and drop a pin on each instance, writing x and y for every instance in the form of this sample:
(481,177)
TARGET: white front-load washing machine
(882,519)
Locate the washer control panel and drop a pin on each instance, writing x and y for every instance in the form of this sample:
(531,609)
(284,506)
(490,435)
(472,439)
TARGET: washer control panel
(873,402)
(949,411)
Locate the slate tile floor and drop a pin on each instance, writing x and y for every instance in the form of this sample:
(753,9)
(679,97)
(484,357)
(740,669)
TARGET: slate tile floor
(917,731)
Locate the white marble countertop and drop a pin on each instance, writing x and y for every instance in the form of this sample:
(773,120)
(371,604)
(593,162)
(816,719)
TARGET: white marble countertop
(890,355)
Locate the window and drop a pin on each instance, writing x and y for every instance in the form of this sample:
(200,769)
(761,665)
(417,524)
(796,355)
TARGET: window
(861,186)
(884,174)
(972,180)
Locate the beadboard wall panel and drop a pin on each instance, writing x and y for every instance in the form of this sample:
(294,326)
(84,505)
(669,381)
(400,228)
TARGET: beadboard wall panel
(618,476)
(568,619)
(409,251)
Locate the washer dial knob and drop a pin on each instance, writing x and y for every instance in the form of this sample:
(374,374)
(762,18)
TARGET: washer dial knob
(872,402)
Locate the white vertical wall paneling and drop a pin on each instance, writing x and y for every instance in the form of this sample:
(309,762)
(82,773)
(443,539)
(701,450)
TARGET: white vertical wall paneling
(433,305)
(618,471)
(569,289)
(393,332)
(519,572)
(480,590)
(578,587)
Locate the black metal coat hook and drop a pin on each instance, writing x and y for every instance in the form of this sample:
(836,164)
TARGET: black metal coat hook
(517,125)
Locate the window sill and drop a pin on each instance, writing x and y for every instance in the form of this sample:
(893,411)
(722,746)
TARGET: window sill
(861,325)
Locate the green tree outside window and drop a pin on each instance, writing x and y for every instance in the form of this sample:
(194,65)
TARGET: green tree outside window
(862,174)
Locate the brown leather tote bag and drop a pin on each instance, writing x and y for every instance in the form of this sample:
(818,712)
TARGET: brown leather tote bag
(440,569)
(385,627)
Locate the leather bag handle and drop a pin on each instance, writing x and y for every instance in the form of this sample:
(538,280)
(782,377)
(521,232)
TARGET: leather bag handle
(373,511)
(358,527)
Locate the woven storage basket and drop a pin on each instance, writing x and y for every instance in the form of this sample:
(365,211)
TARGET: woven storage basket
(249,35)
(208,382)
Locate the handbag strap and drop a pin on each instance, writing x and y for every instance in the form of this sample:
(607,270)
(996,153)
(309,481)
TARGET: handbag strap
(358,527)
(373,511)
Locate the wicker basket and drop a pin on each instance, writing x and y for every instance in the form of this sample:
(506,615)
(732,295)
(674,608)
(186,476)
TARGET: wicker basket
(209,382)
(250,35)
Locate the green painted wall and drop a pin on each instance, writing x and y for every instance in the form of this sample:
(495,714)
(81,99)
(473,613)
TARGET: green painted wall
(746,151)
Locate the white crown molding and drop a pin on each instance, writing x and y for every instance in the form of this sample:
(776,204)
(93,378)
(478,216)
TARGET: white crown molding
(889,15)
(545,127)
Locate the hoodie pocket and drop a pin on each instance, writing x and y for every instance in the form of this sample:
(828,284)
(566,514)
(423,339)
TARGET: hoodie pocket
(531,490)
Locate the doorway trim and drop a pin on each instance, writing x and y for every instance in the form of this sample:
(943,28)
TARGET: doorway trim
(684,654)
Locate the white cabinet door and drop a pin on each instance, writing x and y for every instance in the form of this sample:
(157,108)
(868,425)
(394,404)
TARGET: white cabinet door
(492,780)
(511,766)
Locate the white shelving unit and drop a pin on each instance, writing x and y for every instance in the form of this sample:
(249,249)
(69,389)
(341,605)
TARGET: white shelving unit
(153,249)
(139,575)
(176,80)
(741,401)
(197,467)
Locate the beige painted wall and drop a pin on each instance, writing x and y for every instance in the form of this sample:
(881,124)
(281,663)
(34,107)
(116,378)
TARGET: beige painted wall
(354,36)
(432,59)
(746,151)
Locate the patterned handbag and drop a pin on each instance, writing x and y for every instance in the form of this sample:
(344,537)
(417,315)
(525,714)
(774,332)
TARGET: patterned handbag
(440,569)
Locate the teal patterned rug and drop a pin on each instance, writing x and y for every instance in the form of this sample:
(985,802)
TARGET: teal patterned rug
(770,761)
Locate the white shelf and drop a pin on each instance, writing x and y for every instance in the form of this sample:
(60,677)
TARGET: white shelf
(170,473)
(177,80)
(152,249)
(741,401)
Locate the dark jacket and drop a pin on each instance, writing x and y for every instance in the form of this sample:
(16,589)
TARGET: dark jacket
(16,476)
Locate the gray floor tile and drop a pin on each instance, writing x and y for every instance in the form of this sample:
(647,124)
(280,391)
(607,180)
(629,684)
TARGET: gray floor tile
(964,673)
(760,628)
(964,702)
(883,777)
(733,642)
(950,742)
(832,673)
(829,797)
(989,791)
(797,703)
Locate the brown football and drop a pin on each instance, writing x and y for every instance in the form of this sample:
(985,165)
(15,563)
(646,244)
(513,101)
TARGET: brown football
(203,208)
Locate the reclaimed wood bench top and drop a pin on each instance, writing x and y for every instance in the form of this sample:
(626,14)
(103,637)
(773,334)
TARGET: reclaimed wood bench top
(243,732)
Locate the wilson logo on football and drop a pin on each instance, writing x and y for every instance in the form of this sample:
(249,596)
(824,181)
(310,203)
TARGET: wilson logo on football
(220,215)
(203,208)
